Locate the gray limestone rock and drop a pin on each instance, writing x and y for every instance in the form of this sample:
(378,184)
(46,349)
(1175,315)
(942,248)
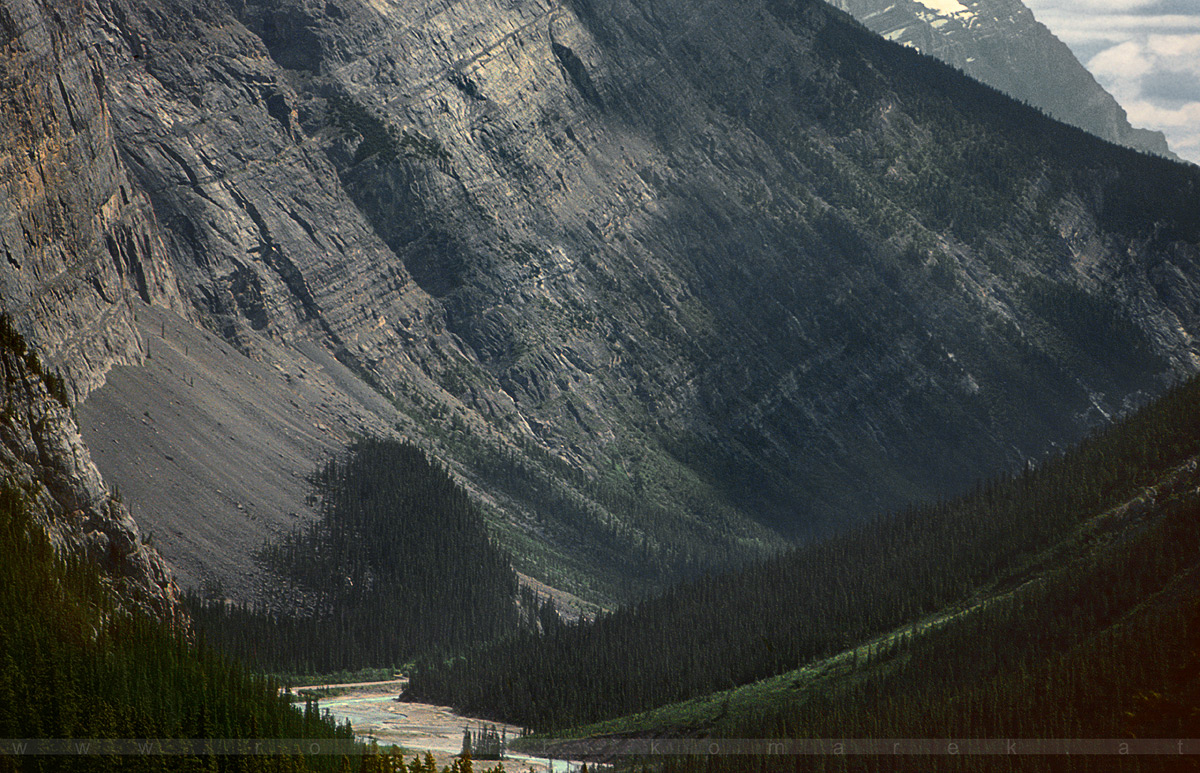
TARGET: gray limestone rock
(665,285)
(79,237)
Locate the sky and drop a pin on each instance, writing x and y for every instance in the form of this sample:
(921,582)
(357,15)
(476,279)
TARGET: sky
(1146,53)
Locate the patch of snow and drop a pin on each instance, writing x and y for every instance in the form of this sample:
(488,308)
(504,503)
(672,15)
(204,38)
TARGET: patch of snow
(879,13)
(895,33)
(945,7)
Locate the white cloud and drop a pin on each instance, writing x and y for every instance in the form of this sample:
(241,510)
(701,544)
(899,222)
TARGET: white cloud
(1130,64)
(1146,53)
(1085,8)
(1123,63)
(1184,49)
(1074,29)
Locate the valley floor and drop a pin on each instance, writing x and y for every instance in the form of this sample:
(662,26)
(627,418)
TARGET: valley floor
(418,727)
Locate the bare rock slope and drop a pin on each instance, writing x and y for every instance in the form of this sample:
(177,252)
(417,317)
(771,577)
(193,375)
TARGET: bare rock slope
(214,448)
(665,286)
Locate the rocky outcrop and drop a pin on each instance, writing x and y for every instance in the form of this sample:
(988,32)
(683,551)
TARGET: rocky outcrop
(82,248)
(1000,43)
(43,455)
(263,238)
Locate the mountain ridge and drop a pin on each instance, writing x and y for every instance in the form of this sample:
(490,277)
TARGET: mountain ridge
(999,42)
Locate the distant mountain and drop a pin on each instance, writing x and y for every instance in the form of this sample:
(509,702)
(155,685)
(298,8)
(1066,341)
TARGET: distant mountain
(665,286)
(1000,43)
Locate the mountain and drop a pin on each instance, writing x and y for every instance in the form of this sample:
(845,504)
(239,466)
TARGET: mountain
(665,289)
(1000,43)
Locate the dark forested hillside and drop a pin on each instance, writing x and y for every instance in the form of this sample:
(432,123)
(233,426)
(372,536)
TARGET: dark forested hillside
(73,665)
(820,600)
(86,686)
(399,564)
(1090,648)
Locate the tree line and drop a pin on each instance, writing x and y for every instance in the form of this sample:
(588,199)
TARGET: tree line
(1103,643)
(73,666)
(722,631)
(399,563)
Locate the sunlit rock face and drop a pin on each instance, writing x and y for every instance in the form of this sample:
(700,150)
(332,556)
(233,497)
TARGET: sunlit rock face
(81,249)
(628,219)
(79,238)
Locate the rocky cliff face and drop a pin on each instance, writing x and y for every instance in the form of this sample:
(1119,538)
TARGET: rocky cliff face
(636,229)
(664,285)
(81,248)
(264,239)
(43,455)
(79,238)
(1000,43)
